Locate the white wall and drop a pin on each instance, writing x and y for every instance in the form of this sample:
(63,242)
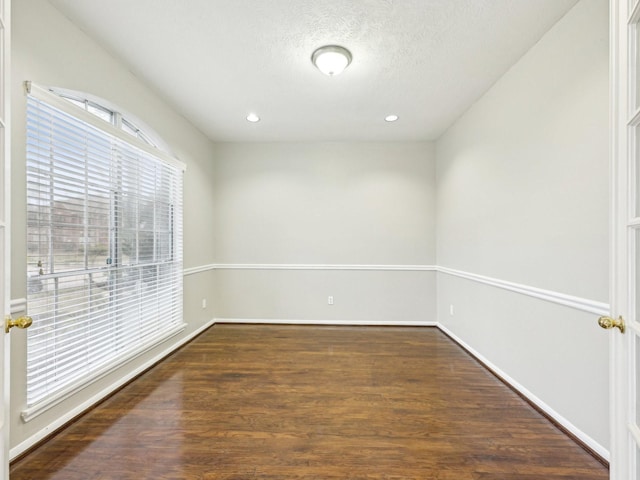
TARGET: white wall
(325,204)
(49,50)
(522,196)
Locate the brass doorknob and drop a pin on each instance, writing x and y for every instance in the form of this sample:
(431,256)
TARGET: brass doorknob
(608,322)
(21,322)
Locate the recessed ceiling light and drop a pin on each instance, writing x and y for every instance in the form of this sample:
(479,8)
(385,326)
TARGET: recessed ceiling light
(391,118)
(331,59)
(253,118)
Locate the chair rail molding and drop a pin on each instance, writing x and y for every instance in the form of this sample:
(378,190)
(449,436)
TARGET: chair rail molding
(308,266)
(579,303)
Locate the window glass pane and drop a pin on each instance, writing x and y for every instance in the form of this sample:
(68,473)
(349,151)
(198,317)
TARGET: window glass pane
(145,139)
(130,129)
(103,113)
(636,300)
(77,103)
(97,220)
(2,68)
(637,364)
(635,73)
(635,138)
(2,175)
(128,248)
(101,214)
(107,115)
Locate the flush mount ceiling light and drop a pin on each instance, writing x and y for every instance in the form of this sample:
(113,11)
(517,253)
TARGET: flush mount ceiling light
(331,59)
(391,118)
(253,118)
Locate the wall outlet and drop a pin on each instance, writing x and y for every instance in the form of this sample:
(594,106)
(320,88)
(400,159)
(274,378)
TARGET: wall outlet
(204,303)
(451,310)
(330,300)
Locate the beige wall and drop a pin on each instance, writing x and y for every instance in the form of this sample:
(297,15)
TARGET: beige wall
(47,49)
(331,204)
(327,203)
(523,197)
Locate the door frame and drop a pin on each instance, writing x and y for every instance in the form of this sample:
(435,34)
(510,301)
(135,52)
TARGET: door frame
(622,279)
(5,229)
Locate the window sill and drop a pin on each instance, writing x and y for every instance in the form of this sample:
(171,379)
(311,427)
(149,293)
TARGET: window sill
(43,406)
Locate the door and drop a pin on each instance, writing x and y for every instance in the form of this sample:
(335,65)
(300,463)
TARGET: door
(5,258)
(625,275)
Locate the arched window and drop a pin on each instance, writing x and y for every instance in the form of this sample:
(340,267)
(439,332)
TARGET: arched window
(113,115)
(104,242)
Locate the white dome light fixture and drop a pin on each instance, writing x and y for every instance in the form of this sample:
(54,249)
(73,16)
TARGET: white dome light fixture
(391,118)
(253,118)
(331,59)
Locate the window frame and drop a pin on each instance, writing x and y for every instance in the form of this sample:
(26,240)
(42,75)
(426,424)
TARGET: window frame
(113,128)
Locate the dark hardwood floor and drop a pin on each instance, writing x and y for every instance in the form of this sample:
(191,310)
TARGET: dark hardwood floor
(286,402)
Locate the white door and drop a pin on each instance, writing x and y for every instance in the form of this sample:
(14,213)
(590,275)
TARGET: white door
(625,277)
(5,263)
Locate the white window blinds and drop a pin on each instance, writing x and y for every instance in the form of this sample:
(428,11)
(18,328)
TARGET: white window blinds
(104,242)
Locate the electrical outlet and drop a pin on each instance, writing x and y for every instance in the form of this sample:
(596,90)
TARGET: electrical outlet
(204,303)
(451,310)
(330,300)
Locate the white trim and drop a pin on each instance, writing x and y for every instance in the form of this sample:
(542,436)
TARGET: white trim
(579,303)
(42,406)
(18,305)
(622,370)
(257,266)
(70,415)
(583,437)
(5,235)
(200,269)
(619,443)
(290,321)
(60,103)
(298,266)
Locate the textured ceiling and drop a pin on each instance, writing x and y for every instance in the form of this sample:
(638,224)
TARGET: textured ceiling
(217,60)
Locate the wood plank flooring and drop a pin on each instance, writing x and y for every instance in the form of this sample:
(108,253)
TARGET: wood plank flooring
(286,402)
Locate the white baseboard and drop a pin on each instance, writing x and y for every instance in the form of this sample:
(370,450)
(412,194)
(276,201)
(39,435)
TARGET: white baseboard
(289,321)
(59,422)
(579,434)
